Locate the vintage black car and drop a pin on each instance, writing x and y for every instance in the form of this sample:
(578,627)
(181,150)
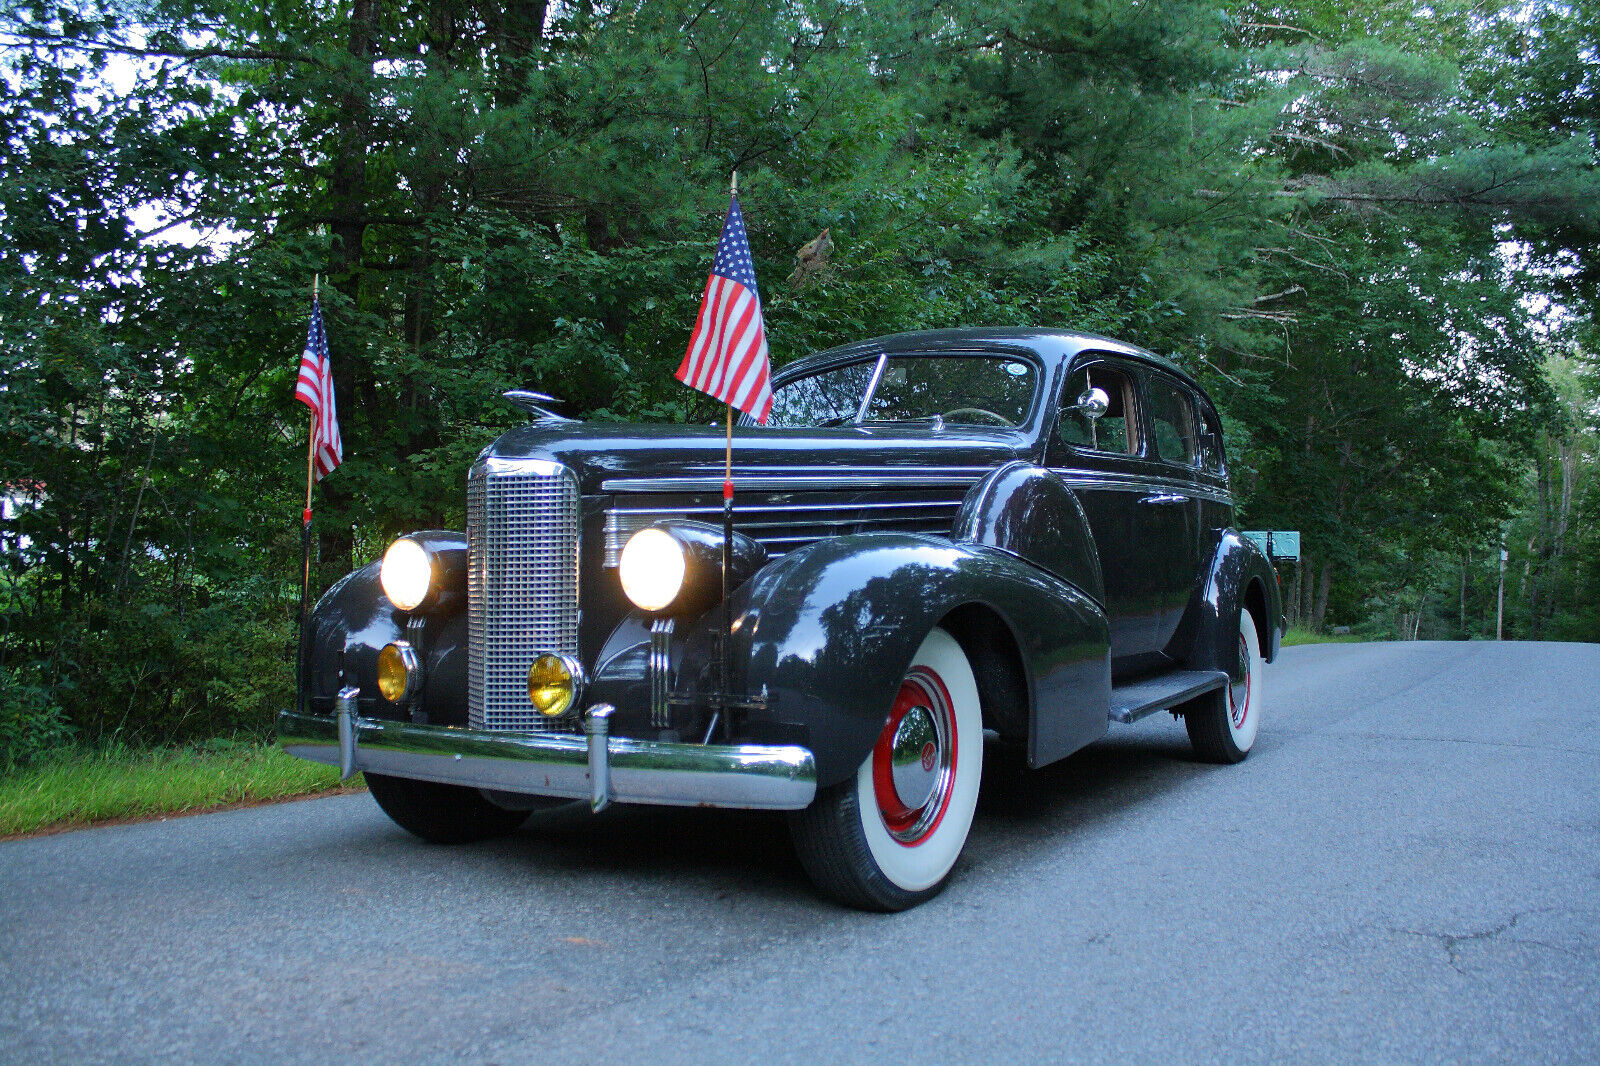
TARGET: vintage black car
(938,536)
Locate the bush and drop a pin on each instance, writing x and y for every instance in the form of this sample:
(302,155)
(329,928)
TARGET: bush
(147,674)
(32,723)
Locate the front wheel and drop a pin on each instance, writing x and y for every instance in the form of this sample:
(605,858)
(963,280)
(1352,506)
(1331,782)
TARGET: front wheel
(441,814)
(887,838)
(1222,725)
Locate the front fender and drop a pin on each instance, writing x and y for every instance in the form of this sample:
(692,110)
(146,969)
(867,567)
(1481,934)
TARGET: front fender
(352,623)
(828,631)
(1030,512)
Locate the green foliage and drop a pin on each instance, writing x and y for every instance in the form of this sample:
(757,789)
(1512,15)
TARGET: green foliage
(32,724)
(1345,220)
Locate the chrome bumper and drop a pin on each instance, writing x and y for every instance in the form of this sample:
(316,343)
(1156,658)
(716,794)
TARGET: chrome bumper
(595,766)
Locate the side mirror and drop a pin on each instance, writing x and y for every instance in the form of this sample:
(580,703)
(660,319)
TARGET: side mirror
(1093,404)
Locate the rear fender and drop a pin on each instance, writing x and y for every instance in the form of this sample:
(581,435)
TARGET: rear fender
(1239,575)
(827,633)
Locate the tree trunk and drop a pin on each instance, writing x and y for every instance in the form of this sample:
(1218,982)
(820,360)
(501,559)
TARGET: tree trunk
(1320,610)
(347,208)
(1292,607)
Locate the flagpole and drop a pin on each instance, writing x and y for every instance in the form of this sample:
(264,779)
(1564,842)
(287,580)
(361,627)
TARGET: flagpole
(302,687)
(727,531)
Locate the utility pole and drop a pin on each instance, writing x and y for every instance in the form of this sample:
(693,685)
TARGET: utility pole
(1500,597)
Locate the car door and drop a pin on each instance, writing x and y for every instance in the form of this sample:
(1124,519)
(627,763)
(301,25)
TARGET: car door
(1105,462)
(1173,504)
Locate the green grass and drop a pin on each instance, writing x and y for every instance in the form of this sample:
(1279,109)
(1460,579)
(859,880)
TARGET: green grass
(1305,636)
(81,788)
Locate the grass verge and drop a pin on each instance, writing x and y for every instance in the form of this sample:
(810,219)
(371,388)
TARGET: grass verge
(1297,635)
(81,788)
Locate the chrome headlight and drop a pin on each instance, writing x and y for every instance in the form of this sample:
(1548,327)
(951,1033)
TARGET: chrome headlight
(406,574)
(652,569)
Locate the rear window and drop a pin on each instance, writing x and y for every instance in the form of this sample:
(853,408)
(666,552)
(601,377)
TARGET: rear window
(1172,423)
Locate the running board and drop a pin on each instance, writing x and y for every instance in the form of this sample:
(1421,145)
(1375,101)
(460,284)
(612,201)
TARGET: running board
(1129,703)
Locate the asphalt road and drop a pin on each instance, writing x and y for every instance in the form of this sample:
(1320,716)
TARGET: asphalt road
(1406,869)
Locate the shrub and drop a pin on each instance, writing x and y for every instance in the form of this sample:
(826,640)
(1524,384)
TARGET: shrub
(32,723)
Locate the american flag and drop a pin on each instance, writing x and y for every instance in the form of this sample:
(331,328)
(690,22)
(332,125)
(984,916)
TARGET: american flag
(727,355)
(315,390)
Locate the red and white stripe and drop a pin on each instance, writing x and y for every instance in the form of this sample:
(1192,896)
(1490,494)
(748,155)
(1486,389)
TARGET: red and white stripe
(314,388)
(727,355)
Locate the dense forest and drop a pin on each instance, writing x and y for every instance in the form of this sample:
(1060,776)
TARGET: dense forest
(1369,228)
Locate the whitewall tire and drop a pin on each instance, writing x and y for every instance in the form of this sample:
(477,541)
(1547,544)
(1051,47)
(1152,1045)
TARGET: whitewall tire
(888,837)
(1223,725)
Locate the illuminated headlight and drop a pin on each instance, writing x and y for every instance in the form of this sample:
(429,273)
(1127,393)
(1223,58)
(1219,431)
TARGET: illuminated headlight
(406,574)
(399,673)
(553,684)
(652,569)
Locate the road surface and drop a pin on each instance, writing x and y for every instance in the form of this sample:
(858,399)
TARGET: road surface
(1406,869)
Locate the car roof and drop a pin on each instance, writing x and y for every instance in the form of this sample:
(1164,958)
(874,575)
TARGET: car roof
(1064,343)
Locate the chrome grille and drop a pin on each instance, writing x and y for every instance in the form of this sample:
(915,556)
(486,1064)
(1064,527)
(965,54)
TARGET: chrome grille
(522,584)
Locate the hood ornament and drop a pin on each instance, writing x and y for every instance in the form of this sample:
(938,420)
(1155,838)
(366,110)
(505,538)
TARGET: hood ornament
(533,403)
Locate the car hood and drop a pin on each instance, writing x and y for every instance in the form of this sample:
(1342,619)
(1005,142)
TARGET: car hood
(599,452)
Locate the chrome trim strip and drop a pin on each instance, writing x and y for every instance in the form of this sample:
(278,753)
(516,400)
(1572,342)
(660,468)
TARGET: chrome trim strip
(1078,479)
(856,479)
(896,477)
(750,776)
(763,508)
(659,662)
(872,387)
(767,524)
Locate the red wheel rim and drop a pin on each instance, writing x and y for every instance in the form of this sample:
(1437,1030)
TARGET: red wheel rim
(907,825)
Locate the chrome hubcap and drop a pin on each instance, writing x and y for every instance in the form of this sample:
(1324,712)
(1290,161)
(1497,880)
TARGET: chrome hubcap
(1239,692)
(913,764)
(914,758)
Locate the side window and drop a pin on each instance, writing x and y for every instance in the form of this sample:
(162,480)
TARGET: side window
(1211,457)
(1118,429)
(1172,423)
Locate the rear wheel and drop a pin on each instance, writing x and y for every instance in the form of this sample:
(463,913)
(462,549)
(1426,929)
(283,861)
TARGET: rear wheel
(887,838)
(441,814)
(1222,725)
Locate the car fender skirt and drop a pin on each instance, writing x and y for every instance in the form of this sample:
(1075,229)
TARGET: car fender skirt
(828,631)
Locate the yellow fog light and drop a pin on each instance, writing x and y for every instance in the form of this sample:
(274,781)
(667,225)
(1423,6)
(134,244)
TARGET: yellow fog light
(399,673)
(553,684)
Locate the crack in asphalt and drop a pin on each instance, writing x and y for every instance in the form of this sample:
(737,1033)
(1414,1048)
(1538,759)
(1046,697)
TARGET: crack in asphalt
(1452,941)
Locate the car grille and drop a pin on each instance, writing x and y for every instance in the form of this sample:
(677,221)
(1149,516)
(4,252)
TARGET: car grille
(522,585)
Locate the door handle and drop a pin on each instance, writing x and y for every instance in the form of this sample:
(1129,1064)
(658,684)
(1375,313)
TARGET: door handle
(1164,500)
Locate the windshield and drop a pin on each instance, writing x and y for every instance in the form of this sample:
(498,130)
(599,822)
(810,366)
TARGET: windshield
(980,390)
